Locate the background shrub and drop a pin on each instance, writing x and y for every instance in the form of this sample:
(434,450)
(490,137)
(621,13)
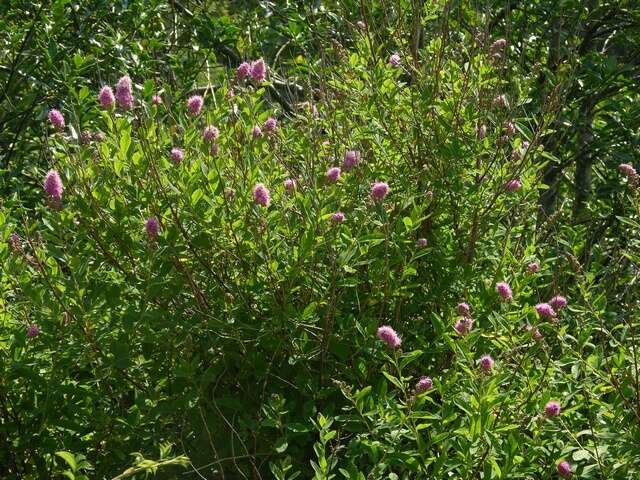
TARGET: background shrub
(217,294)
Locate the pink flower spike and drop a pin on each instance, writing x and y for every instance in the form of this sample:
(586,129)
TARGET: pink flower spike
(33,330)
(106,97)
(15,242)
(545,310)
(53,185)
(152,226)
(504,290)
(552,409)
(463,326)
(379,190)
(510,128)
(124,93)
(156,100)
(351,159)
(270,125)
(389,336)
(498,45)
(337,217)
(486,363)
(290,185)
(333,174)
(258,71)
(261,195)
(564,469)
(424,384)
(463,309)
(256,132)
(500,101)
(537,335)
(195,104)
(243,71)
(177,155)
(627,170)
(394,60)
(558,302)
(56,118)
(513,185)
(421,242)
(210,133)
(533,267)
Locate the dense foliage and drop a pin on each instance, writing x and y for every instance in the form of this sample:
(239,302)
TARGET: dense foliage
(320,241)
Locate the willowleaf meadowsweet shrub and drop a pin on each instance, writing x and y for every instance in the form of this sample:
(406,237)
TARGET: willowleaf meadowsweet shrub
(210,278)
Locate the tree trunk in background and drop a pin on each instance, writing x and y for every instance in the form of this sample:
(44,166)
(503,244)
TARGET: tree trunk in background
(551,173)
(584,160)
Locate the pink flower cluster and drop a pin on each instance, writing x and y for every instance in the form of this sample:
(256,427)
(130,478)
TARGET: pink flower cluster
(552,409)
(486,363)
(351,159)
(290,185)
(500,101)
(549,310)
(533,267)
(53,185)
(463,326)
(194,104)
(498,45)
(379,190)
(630,172)
(421,242)
(106,97)
(177,155)
(337,217)
(333,174)
(124,93)
(57,119)
(424,384)
(564,469)
(210,133)
(15,242)
(504,290)
(513,185)
(389,336)
(152,226)
(33,330)
(257,70)
(545,310)
(464,309)
(261,195)
(270,125)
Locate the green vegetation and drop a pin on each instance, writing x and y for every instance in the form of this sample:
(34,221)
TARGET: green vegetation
(196,302)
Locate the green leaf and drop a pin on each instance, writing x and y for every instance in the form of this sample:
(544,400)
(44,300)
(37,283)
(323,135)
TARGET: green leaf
(196,196)
(393,380)
(281,445)
(125,142)
(148,87)
(83,93)
(580,455)
(409,357)
(363,393)
(78,60)
(69,458)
